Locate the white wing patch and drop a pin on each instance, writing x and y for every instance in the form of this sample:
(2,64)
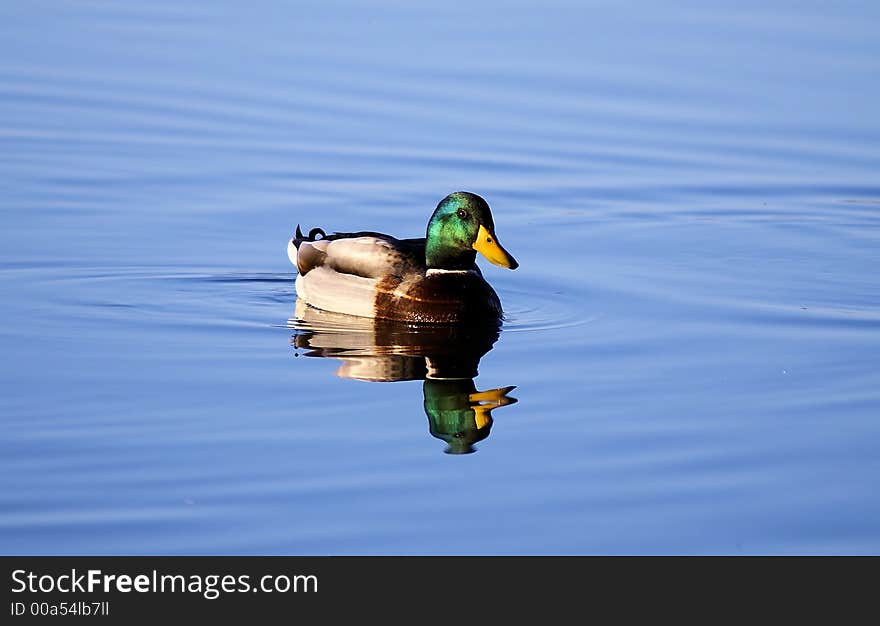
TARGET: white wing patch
(324,288)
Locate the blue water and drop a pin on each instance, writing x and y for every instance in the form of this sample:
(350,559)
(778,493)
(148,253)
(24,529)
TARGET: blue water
(692,193)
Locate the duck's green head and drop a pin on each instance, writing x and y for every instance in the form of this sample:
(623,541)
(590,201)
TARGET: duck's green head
(460,227)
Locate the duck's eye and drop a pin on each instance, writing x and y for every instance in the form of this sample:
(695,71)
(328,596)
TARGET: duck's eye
(462,214)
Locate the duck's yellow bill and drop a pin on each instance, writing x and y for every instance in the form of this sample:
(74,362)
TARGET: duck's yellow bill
(482,403)
(487,245)
(493,397)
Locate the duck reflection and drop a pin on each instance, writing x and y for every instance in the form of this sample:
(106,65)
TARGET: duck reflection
(445,357)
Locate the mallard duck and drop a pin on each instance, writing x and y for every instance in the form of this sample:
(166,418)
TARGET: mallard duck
(430,280)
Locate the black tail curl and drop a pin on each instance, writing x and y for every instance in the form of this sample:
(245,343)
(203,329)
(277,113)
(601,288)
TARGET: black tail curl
(313,235)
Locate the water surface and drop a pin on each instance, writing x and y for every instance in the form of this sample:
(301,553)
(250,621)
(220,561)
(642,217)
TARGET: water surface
(693,332)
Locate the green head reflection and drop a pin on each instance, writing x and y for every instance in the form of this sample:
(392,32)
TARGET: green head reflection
(459,414)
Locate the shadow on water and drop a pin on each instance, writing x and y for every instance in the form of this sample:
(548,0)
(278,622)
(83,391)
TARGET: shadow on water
(446,358)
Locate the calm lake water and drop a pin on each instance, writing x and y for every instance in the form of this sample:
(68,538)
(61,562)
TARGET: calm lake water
(692,192)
